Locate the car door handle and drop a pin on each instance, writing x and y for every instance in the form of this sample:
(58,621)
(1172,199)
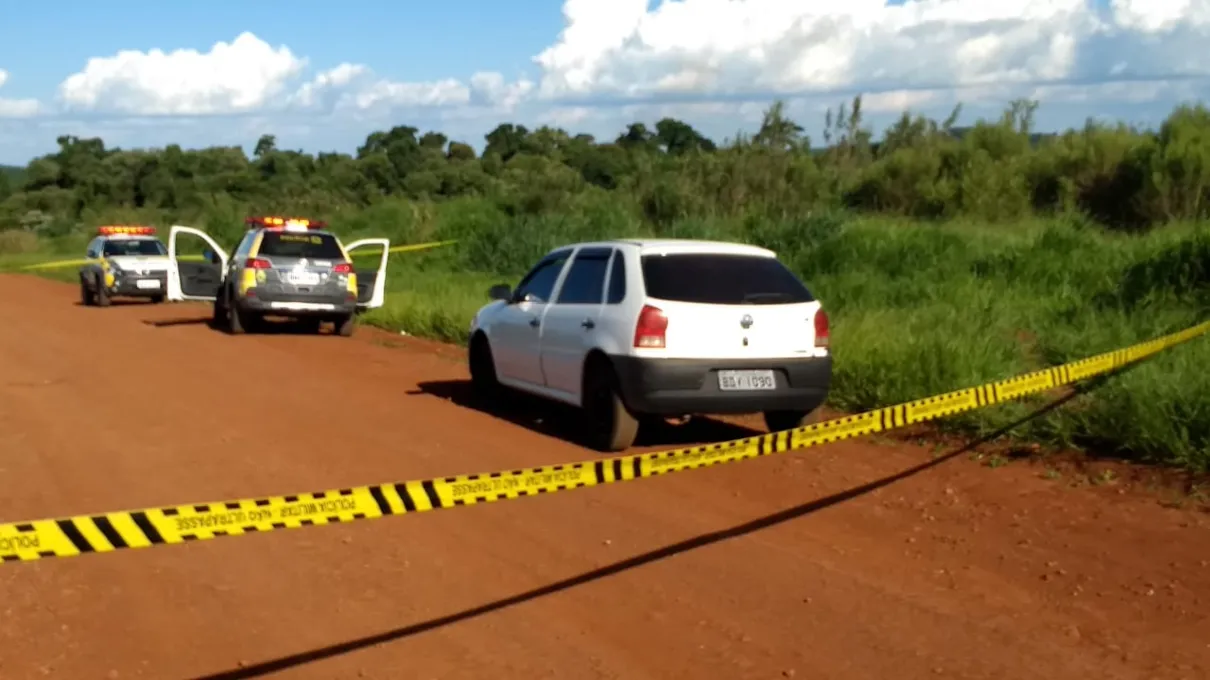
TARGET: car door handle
(588,323)
(533,322)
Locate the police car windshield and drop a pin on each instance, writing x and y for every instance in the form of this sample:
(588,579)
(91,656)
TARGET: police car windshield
(144,247)
(311,246)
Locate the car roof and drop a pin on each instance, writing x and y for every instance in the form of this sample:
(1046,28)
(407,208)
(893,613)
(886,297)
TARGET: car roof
(676,245)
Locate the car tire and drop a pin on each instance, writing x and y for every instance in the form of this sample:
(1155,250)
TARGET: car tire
(102,296)
(611,426)
(235,322)
(777,421)
(346,325)
(86,297)
(482,368)
(219,318)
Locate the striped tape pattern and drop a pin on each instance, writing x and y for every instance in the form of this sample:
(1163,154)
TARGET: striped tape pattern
(102,533)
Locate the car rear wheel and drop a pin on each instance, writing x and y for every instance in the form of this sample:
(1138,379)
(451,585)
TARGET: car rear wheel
(346,325)
(236,321)
(777,421)
(611,426)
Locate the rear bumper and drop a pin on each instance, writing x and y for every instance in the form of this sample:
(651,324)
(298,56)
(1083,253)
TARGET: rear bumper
(283,304)
(690,386)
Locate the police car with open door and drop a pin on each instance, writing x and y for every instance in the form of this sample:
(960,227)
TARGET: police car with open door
(124,261)
(283,267)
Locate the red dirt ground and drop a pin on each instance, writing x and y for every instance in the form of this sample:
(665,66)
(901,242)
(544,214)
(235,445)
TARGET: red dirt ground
(781,567)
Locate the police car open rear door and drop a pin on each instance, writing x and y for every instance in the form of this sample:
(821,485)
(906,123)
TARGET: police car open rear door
(371,282)
(192,276)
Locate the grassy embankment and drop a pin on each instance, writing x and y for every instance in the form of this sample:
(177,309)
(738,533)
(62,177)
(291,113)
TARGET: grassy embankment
(917,308)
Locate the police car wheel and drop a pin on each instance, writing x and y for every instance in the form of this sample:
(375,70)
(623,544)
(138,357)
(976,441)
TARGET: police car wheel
(219,320)
(345,325)
(86,298)
(102,296)
(235,320)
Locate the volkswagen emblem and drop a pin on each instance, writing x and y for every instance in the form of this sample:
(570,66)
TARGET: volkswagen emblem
(746,322)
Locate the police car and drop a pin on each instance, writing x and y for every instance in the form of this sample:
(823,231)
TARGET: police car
(124,261)
(283,267)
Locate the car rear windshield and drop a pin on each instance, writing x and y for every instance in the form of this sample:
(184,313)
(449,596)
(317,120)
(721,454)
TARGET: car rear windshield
(311,246)
(721,279)
(134,247)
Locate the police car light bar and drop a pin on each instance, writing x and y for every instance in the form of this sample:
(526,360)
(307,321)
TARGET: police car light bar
(113,230)
(285,222)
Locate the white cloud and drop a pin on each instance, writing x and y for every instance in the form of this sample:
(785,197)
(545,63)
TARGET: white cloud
(244,75)
(16,108)
(716,63)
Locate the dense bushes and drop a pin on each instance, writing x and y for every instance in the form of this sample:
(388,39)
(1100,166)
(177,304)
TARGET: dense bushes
(993,171)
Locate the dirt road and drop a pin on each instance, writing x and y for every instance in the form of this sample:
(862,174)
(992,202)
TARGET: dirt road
(774,568)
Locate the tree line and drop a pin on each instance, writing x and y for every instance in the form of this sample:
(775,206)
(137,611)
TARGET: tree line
(995,170)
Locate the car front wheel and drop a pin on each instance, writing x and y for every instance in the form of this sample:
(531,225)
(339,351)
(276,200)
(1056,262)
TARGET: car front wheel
(86,297)
(482,369)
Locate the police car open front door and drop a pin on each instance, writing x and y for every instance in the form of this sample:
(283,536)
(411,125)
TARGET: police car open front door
(196,270)
(371,281)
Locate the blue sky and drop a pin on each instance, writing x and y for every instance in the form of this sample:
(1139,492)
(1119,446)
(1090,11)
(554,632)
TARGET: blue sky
(403,40)
(463,66)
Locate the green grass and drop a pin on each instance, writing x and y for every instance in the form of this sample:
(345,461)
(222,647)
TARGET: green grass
(917,308)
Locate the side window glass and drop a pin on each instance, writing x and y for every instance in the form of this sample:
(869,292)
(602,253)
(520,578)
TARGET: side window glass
(585,280)
(93,249)
(244,246)
(540,283)
(617,279)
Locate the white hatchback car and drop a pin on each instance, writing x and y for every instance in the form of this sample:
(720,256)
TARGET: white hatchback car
(632,330)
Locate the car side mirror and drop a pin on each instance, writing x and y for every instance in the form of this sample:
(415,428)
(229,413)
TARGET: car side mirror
(500,291)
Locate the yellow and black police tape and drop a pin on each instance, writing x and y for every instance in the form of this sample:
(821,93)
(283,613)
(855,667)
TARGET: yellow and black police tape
(101,533)
(198,258)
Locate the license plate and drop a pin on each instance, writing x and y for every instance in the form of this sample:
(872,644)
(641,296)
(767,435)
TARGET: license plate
(746,380)
(302,278)
(147,283)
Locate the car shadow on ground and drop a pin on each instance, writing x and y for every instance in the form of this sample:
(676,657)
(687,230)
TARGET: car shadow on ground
(121,302)
(273,666)
(267,328)
(566,422)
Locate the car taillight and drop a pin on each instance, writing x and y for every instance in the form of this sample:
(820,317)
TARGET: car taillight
(651,328)
(342,268)
(822,337)
(257,263)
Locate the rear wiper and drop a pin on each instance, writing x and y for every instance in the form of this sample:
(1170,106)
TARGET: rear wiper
(766,297)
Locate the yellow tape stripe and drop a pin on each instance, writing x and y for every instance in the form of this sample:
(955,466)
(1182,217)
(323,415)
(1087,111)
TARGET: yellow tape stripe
(67,537)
